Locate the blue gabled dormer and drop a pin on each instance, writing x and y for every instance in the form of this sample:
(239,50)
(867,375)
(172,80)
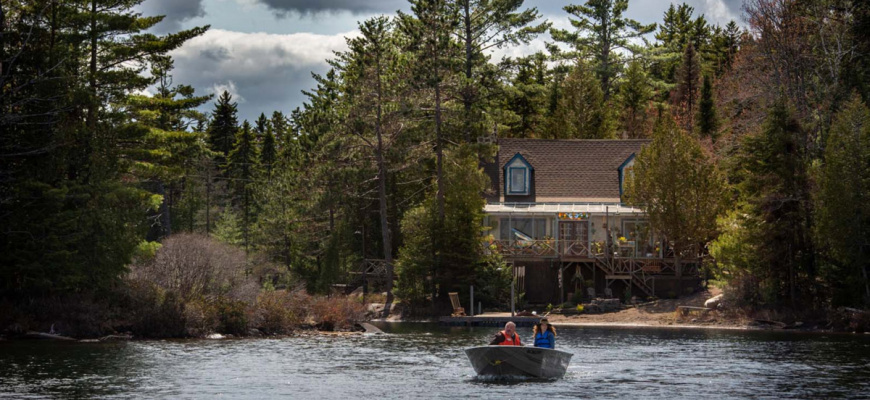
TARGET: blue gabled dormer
(517,176)
(624,169)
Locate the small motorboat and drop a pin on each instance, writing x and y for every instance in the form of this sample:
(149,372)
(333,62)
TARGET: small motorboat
(506,361)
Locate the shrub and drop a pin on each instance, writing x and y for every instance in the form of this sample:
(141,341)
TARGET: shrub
(196,266)
(276,312)
(578,297)
(336,313)
(155,312)
(232,318)
(580,308)
(201,317)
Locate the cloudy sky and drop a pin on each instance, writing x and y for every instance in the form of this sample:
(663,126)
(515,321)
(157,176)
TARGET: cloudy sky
(264,51)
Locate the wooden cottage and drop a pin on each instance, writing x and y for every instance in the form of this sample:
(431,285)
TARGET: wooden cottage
(556,214)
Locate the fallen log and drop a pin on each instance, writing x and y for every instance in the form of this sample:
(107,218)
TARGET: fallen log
(780,325)
(47,336)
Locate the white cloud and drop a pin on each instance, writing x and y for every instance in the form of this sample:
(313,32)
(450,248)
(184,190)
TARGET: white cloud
(717,11)
(267,71)
(230,87)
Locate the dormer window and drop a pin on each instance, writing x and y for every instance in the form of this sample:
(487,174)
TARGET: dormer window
(518,176)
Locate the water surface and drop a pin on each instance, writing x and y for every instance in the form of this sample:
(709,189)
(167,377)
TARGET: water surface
(427,361)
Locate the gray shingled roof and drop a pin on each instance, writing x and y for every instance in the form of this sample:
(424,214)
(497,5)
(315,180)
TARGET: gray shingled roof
(568,170)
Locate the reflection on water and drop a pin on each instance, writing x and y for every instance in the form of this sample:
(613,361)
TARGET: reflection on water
(427,361)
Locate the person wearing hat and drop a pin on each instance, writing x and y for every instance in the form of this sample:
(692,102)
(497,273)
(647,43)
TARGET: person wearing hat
(545,334)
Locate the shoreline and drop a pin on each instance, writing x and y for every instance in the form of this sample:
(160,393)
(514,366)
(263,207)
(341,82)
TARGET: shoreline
(634,325)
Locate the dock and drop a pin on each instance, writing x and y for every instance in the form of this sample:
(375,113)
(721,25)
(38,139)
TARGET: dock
(493,321)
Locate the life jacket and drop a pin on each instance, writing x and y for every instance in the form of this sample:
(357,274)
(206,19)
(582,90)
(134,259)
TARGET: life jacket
(545,339)
(508,341)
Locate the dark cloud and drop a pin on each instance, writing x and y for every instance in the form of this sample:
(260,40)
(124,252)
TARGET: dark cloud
(308,7)
(176,12)
(648,11)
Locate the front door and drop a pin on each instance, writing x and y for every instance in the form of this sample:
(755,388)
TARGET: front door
(574,236)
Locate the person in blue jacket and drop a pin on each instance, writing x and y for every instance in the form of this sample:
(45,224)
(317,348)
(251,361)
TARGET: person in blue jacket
(545,334)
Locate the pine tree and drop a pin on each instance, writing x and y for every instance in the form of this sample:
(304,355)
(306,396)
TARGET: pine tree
(70,153)
(485,25)
(774,184)
(843,204)
(242,167)
(526,97)
(708,121)
(268,153)
(685,95)
(602,32)
(434,68)
(582,113)
(634,97)
(262,125)
(224,126)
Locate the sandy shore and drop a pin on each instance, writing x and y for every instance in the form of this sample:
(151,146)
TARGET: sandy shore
(659,314)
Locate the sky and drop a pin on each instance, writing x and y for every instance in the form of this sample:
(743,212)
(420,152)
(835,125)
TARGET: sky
(264,51)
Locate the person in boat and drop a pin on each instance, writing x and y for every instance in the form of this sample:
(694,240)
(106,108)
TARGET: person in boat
(507,337)
(545,334)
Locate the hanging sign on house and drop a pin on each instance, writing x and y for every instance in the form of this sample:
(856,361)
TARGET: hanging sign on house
(573,216)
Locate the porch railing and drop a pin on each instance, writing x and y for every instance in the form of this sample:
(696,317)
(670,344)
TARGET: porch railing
(525,248)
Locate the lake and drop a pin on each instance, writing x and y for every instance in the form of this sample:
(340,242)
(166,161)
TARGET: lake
(415,360)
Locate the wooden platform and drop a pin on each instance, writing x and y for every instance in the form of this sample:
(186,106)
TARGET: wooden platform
(488,321)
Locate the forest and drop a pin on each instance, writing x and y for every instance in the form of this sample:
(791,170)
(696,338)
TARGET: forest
(759,152)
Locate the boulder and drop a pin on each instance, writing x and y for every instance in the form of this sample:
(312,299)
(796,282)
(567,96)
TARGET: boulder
(607,305)
(713,302)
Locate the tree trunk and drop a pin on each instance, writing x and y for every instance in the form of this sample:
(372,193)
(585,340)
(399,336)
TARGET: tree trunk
(439,198)
(382,196)
(92,115)
(467,96)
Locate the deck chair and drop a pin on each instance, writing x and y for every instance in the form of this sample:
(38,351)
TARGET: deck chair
(608,293)
(458,311)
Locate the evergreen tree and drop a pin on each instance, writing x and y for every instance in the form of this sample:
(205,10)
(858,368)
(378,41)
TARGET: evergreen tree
(526,97)
(679,188)
(582,113)
(434,67)
(601,33)
(485,25)
(71,185)
(775,187)
(242,167)
(375,88)
(843,204)
(224,126)
(708,121)
(268,153)
(685,95)
(634,98)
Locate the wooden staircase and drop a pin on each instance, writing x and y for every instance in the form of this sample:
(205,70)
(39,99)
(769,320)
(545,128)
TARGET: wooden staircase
(371,271)
(626,269)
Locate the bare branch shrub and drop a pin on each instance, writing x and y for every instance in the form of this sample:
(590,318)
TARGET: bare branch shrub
(195,267)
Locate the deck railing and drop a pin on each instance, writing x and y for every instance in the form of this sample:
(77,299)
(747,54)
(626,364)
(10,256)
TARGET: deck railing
(550,248)
(524,248)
